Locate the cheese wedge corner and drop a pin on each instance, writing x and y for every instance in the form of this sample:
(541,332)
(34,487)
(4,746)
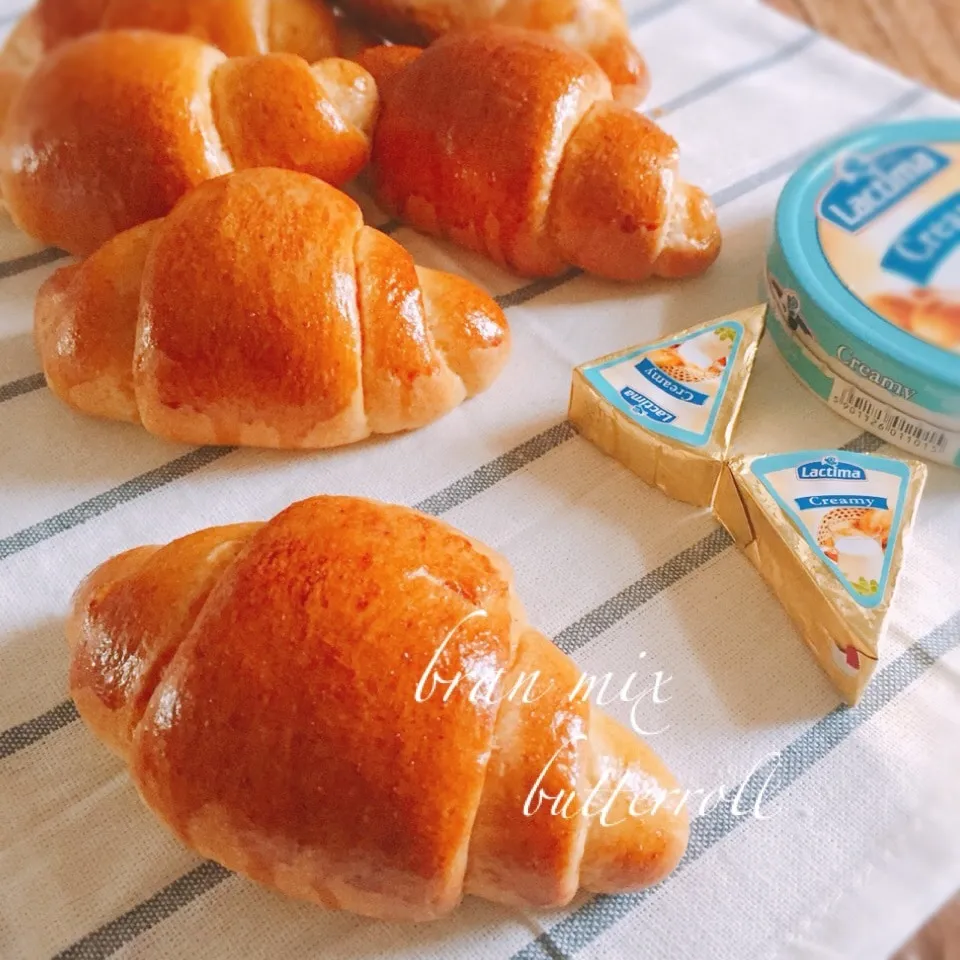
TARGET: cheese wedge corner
(826,529)
(667,410)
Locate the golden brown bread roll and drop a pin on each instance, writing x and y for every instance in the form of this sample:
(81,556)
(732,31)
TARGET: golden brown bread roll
(597,26)
(507,142)
(277,692)
(112,129)
(238,27)
(262,311)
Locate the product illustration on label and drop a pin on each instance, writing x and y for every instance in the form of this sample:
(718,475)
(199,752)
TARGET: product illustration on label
(848,510)
(673,387)
(667,410)
(827,530)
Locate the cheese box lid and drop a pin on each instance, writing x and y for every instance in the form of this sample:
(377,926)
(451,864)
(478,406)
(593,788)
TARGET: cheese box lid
(863,281)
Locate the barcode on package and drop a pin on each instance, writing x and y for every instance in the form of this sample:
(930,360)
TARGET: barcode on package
(890,424)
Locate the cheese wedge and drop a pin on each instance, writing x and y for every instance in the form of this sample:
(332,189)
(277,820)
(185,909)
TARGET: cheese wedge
(826,530)
(667,410)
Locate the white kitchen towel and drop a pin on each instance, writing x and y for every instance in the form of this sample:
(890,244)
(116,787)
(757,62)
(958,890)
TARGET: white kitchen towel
(856,837)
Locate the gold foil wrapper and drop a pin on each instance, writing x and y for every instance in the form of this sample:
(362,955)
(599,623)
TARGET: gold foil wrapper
(683,472)
(828,617)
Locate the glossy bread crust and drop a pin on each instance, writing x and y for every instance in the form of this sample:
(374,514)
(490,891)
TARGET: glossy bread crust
(282,348)
(596,26)
(470,139)
(509,142)
(103,136)
(406,370)
(525,853)
(113,128)
(260,128)
(619,206)
(239,28)
(85,326)
(261,682)
(289,324)
(138,608)
(618,169)
(335,610)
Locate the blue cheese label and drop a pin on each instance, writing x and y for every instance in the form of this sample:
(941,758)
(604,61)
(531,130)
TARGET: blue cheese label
(673,387)
(888,224)
(849,509)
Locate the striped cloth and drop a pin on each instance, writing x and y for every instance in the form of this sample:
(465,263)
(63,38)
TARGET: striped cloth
(858,838)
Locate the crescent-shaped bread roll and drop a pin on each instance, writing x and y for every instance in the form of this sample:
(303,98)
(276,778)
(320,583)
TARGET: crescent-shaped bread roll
(263,312)
(347,704)
(239,28)
(597,26)
(508,142)
(113,128)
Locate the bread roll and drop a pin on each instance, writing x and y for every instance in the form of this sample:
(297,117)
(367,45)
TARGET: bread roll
(281,694)
(509,143)
(238,27)
(113,128)
(263,312)
(596,26)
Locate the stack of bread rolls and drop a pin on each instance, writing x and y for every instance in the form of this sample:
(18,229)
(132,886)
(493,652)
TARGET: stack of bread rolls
(192,152)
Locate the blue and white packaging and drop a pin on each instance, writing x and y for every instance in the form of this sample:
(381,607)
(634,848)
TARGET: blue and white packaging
(863,282)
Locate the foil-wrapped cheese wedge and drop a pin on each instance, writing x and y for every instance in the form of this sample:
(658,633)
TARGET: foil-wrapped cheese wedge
(826,530)
(667,410)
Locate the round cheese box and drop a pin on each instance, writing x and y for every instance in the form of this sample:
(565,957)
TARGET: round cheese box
(863,282)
